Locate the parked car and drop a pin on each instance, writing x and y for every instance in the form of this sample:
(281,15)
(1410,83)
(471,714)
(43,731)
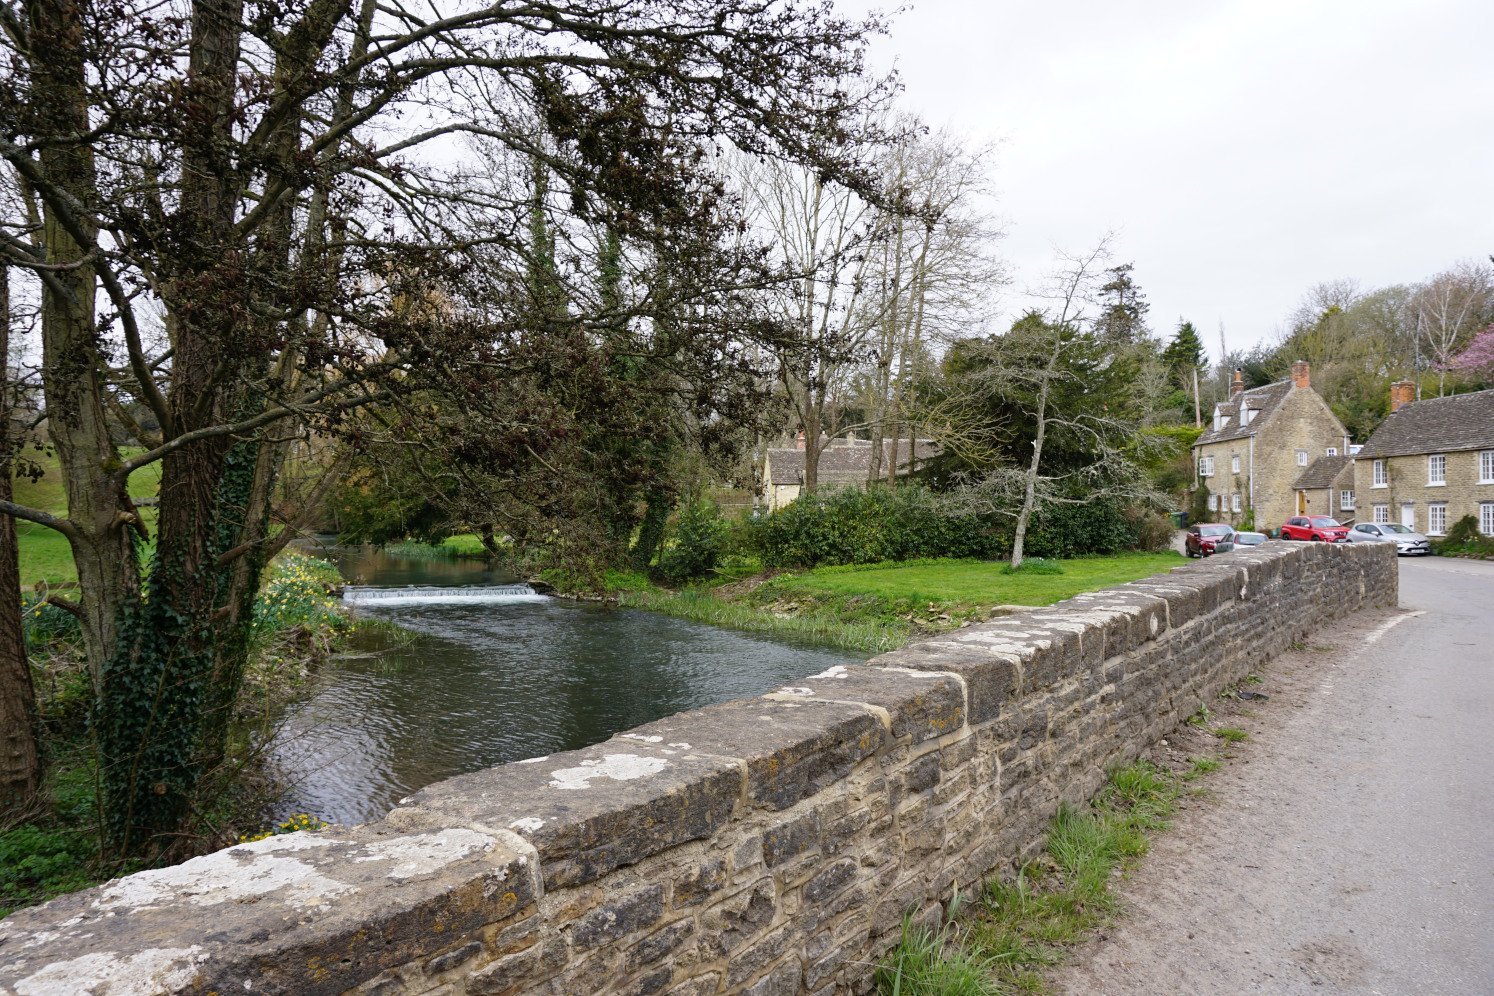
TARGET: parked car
(1250,539)
(1207,538)
(1408,542)
(1322,528)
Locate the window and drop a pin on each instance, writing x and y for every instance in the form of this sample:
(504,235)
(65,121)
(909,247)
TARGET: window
(1205,466)
(1436,519)
(1486,518)
(1234,502)
(1355,448)
(1486,467)
(1436,470)
(1302,458)
(1382,513)
(1333,451)
(1213,503)
(1234,464)
(1346,501)
(1382,476)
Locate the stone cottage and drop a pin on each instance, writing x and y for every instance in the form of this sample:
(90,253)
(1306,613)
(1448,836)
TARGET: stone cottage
(1430,462)
(1258,446)
(1326,487)
(843,463)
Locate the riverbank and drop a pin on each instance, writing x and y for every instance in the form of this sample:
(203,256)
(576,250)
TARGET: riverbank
(873,608)
(299,626)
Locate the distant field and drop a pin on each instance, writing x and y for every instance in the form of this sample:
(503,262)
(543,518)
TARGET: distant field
(45,555)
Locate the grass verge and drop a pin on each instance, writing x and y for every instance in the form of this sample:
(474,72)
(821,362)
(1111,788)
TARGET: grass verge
(878,607)
(1017,927)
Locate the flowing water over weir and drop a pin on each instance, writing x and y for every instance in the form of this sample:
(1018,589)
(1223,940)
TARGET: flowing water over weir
(493,672)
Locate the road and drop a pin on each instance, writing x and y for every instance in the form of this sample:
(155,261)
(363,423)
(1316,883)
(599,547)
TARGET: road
(1349,847)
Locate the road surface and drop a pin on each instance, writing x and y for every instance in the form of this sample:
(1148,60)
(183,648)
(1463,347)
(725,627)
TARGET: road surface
(1349,847)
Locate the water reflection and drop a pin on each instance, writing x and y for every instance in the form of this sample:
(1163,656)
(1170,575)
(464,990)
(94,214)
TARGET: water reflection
(483,684)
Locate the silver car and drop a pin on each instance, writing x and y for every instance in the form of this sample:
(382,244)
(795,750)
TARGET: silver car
(1408,542)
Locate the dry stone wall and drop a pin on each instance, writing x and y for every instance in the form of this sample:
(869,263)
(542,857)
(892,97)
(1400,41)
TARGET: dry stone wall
(765,846)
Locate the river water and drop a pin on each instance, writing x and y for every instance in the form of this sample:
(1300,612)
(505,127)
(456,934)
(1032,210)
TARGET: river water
(492,677)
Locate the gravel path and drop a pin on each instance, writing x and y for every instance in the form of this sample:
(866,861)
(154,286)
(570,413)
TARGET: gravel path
(1349,846)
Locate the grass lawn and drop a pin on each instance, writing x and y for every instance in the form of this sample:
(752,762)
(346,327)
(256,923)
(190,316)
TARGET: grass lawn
(981,582)
(44,553)
(880,607)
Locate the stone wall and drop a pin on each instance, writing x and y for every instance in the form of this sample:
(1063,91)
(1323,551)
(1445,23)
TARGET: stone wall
(765,846)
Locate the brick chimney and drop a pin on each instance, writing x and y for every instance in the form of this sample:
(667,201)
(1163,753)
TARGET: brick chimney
(1237,385)
(1402,393)
(1300,375)
(799,440)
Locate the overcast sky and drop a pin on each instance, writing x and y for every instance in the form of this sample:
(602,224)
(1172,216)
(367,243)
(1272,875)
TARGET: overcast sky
(1242,150)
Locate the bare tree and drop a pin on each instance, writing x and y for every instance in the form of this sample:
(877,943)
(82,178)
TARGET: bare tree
(1450,308)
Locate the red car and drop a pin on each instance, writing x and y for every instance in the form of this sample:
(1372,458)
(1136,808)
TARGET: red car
(1322,528)
(1206,538)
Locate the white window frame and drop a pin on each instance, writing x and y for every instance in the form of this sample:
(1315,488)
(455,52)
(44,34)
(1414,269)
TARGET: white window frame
(1381,472)
(1333,451)
(1302,458)
(1234,463)
(1436,470)
(1486,467)
(1437,510)
(1381,514)
(1234,502)
(1213,503)
(1206,466)
(1346,501)
(1486,517)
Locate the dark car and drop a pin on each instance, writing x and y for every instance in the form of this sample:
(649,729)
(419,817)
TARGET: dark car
(1207,538)
(1319,528)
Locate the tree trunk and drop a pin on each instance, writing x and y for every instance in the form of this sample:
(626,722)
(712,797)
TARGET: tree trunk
(651,530)
(20,760)
(1029,491)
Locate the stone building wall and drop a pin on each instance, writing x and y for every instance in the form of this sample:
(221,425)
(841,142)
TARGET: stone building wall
(766,846)
(1408,484)
(1329,500)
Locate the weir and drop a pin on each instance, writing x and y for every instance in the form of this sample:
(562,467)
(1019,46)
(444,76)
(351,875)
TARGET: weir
(431,595)
(769,845)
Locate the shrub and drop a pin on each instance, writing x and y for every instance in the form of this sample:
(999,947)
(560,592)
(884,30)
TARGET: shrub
(1464,540)
(852,526)
(1067,530)
(699,538)
(1152,530)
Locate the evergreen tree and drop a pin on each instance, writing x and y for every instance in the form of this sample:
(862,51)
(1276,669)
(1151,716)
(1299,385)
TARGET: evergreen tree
(1184,356)
(1123,319)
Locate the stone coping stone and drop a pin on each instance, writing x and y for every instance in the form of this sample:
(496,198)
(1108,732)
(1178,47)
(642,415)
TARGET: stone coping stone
(790,749)
(588,812)
(989,664)
(919,706)
(307,912)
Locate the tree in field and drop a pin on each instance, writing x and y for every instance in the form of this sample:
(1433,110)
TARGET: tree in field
(259,221)
(1044,415)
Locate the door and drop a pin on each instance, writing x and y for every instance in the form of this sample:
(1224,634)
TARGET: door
(1301,502)
(1408,515)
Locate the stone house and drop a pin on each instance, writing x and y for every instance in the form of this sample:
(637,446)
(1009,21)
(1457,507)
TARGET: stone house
(1259,445)
(1326,487)
(844,463)
(1430,462)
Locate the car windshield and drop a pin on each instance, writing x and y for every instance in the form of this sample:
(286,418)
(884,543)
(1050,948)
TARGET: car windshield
(1324,522)
(1215,531)
(1251,538)
(1395,527)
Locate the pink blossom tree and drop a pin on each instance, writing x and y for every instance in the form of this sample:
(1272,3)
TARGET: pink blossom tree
(1477,357)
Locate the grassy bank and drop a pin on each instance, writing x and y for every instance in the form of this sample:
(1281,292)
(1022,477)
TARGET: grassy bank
(998,942)
(879,607)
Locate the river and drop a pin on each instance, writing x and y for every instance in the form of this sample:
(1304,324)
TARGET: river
(492,677)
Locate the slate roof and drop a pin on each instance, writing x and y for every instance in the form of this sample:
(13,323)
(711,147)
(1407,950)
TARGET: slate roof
(1265,400)
(1322,473)
(1436,425)
(843,462)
